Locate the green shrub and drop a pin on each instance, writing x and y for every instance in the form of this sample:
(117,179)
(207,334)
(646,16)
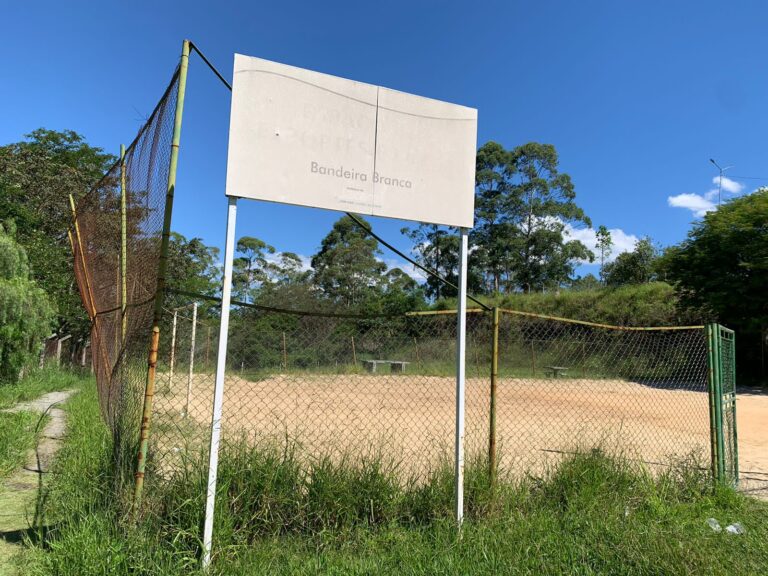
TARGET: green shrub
(25,310)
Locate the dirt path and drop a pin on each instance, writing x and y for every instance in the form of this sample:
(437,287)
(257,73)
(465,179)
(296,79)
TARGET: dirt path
(19,492)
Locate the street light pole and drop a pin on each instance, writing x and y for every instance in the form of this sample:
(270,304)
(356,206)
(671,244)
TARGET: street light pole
(720,180)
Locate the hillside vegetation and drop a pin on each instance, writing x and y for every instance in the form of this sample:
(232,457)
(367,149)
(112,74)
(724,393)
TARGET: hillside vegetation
(652,304)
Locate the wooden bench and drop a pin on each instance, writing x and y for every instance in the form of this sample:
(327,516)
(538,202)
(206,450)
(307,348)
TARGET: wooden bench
(395,366)
(555,371)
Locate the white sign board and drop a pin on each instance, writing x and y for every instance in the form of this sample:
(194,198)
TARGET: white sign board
(306,138)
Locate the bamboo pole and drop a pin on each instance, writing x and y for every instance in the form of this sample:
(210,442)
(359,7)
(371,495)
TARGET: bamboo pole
(494,378)
(123,249)
(149,392)
(354,353)
(118,307)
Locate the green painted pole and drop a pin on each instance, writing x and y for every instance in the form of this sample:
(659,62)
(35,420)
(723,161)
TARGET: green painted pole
(149,391)
(123,249)
(719,402)
(494,377)
(735,427)
(712,387)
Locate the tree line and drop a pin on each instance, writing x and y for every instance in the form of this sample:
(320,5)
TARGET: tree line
(524,208)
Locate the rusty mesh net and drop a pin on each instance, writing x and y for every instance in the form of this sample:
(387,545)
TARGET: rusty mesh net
(119,292)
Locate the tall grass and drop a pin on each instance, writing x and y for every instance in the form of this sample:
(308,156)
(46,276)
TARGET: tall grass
(18,431)
(36,383)
(280,513)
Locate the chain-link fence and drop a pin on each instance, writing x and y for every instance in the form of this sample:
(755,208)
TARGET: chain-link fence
(565,386)
(334,385)
(116,241)
(337,386)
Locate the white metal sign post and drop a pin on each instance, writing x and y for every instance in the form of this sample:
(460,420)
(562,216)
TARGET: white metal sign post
(305,138)
(461,348)
(218,392)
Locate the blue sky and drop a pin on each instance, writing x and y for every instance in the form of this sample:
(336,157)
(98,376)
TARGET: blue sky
(635,95)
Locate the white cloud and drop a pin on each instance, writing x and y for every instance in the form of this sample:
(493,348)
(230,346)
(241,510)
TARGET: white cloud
(699,205)
(622,241)
(406,267)
(306,261)
(729,185)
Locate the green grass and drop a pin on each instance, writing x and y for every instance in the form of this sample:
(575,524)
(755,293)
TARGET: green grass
(37,383)
(18,432)
(276,515)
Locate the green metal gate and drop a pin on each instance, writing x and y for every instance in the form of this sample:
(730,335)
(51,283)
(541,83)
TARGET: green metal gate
(721,345)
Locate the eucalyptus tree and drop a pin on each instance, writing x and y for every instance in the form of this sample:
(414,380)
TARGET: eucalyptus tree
(524,209)
(347,268)
(604,245)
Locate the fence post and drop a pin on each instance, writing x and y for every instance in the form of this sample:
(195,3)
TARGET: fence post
(735,430)
(719,402)
(715,405)
(123,248)
(354,353)
(191,358)
(494,377)
(173,350)
(711,397)
(207,348)
(149,391)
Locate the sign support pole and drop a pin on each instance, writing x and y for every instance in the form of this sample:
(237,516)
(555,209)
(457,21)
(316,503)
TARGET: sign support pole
(461,347)
(218,393)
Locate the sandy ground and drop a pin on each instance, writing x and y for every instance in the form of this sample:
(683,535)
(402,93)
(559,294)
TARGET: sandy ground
(411,418)
(752,430)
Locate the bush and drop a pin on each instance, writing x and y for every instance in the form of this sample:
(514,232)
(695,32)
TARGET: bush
(25,310)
